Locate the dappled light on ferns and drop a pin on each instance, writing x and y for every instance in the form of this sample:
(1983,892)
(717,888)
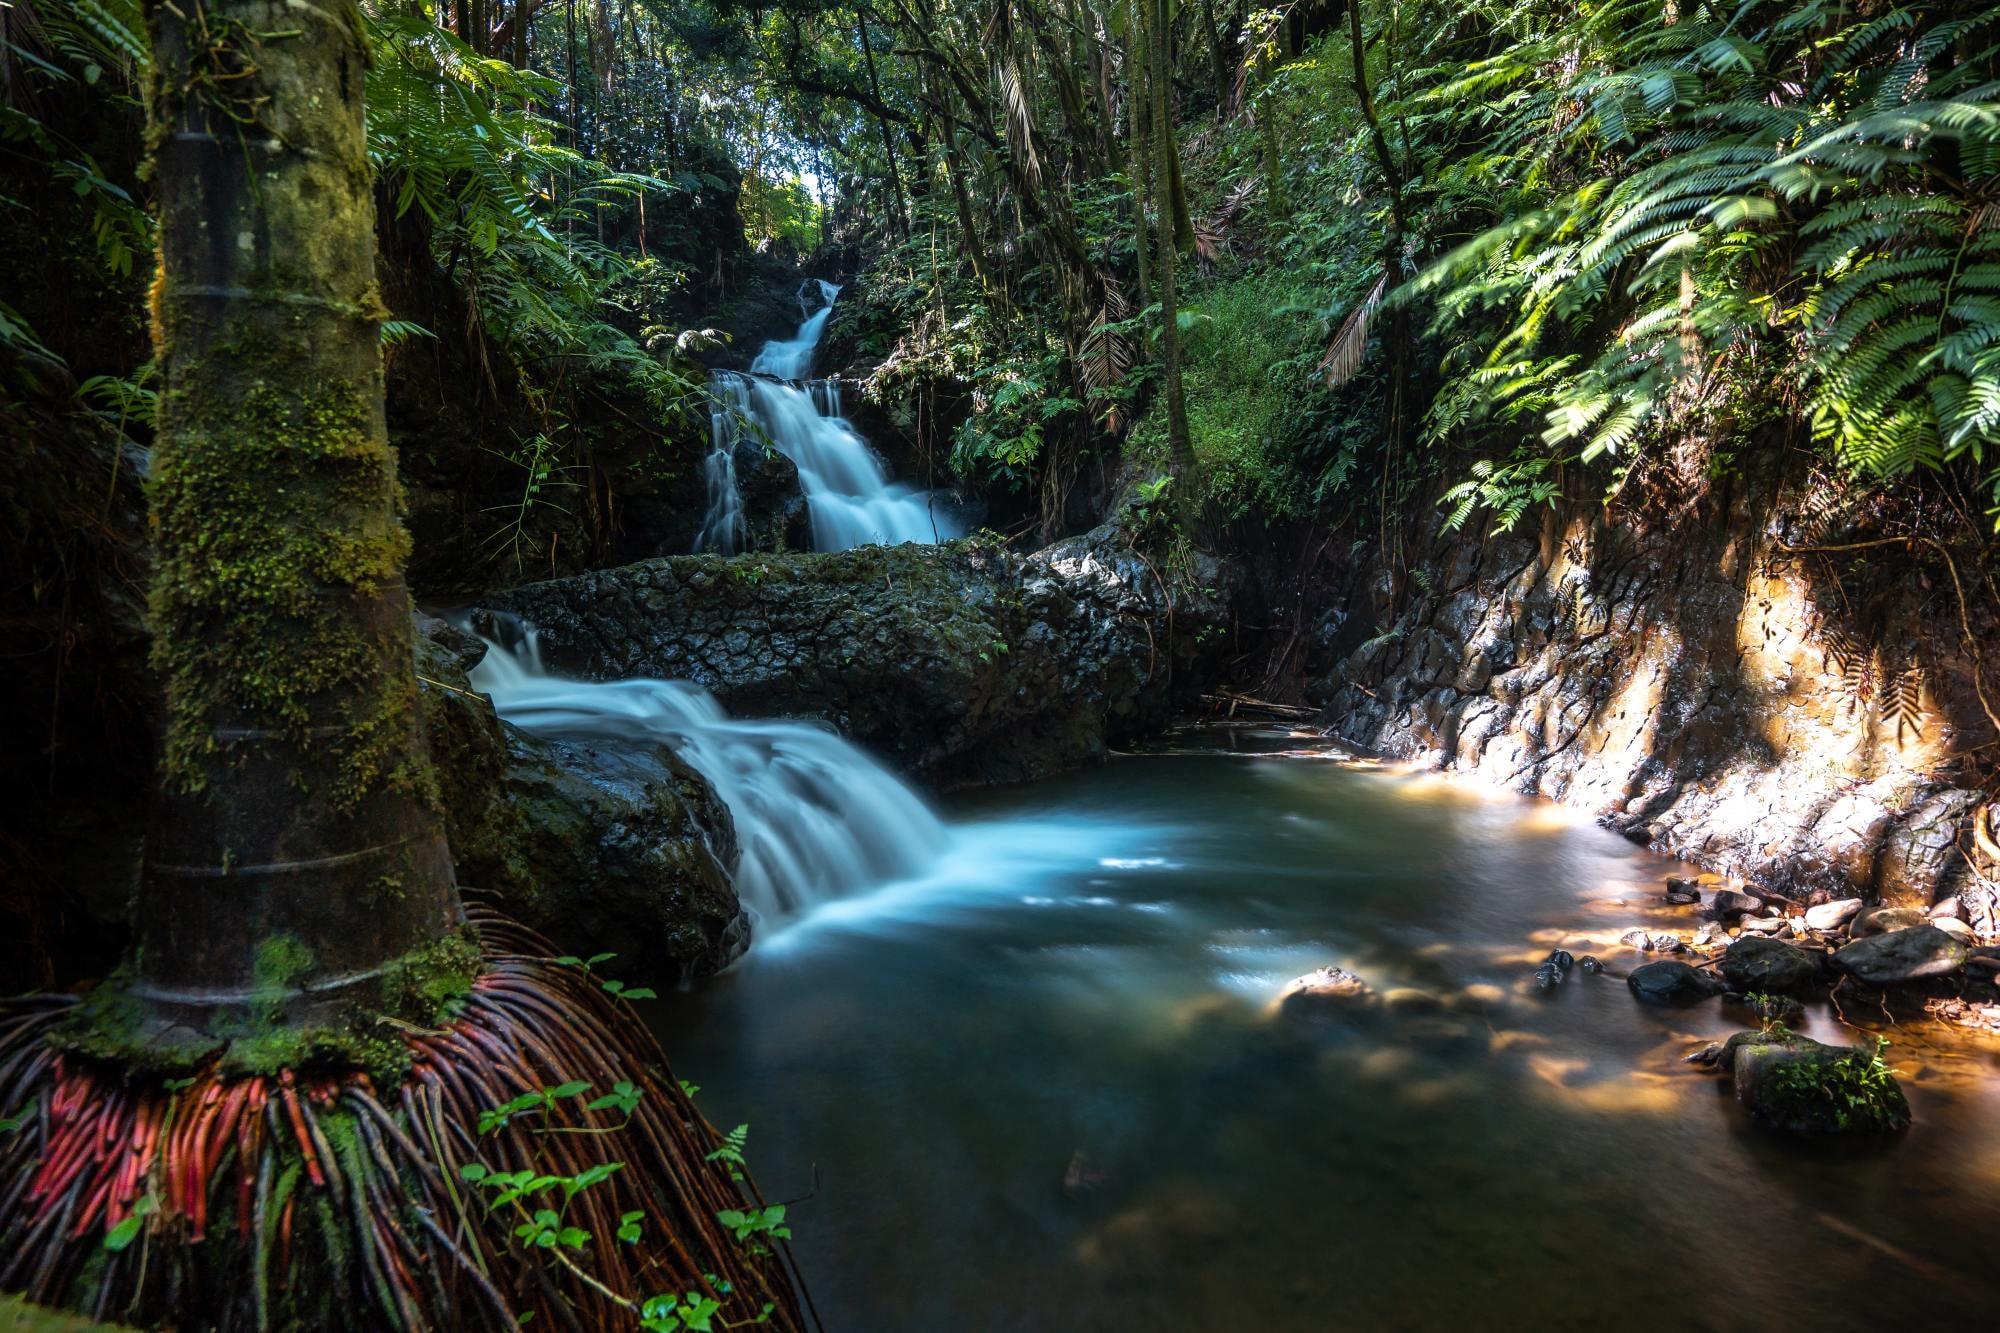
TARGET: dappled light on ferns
(1735,198)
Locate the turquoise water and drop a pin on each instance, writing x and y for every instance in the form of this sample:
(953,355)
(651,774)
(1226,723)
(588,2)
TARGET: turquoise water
(1043,1087)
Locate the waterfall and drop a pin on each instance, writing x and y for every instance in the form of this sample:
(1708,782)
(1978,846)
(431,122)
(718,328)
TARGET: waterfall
(851,499)
(792,358)
(815,817)
(723,528)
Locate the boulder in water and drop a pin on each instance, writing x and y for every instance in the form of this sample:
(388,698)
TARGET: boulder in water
(1673,983)
(1729,904)
(1324,992)
(1902,955)
(1772,967)
(1796,1085)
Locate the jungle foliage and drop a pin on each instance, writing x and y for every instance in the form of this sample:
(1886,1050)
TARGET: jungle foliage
(1497,244)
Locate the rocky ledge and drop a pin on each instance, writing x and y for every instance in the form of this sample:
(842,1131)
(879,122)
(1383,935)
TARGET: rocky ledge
(604,849)
(962,664)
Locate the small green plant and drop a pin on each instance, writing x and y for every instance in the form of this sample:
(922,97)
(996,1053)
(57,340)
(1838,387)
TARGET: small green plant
(1853,1090)
(612,986)
(748,1222)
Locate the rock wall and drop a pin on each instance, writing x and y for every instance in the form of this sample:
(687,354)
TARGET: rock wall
(962,664)
(1712,680)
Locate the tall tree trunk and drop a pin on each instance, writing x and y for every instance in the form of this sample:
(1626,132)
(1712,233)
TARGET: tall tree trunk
(296,849)
(902,211)
(1397,336)
(1139,110)
(1178,441)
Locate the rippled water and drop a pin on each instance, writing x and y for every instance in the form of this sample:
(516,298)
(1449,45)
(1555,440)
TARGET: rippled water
(1040,1088)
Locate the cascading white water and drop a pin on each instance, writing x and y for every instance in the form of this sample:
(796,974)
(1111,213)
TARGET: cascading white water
(815,817)
(852,501)
(723,528)
(792,358)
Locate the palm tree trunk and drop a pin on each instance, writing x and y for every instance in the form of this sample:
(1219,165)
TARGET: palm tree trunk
(296,851)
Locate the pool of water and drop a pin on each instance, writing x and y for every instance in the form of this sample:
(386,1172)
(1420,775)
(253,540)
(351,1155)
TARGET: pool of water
(1043,1087)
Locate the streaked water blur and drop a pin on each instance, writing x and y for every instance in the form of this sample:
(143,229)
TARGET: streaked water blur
(1040,1087)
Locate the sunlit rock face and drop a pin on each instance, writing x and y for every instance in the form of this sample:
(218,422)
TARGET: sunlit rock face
(1799,719)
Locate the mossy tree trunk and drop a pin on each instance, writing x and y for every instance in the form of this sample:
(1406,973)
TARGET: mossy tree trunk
(296,853)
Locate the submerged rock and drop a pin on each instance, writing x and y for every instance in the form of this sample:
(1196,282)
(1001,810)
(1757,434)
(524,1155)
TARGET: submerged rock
(1799,1086)
(1673,983)
(1902,955)
(1756,964)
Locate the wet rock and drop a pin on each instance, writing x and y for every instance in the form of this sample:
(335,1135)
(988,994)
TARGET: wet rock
(1798,1086)
(1729,904)
(1769,966)
(1902,955)
(1707,934)
(1947,909)
(1647,942)
(1323,992)
(1882,920)
(1673,983)
(618,850)
(962,664)
(1763,925)
(1832,915)
(1554,970)
(1955,928)
(1590,965)
(1683,892)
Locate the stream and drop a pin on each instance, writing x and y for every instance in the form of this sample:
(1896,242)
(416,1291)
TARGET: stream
(1040,1086)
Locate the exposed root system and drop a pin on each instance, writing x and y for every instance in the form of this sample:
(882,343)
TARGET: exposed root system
(320,1200)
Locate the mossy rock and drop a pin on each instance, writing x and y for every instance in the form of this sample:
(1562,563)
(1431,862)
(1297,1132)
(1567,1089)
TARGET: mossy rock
(619,850)
(1801,1087)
